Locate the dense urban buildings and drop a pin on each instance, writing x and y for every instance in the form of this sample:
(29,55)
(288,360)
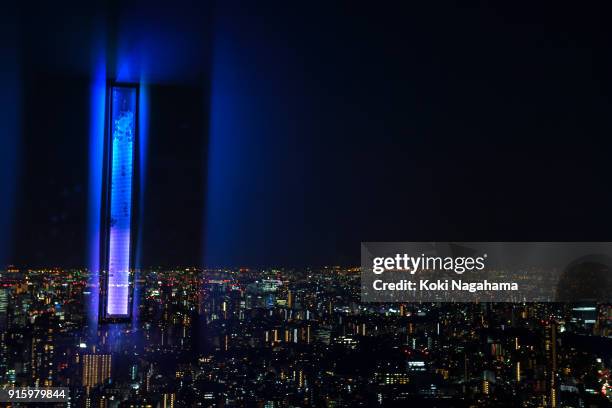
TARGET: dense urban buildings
(278,337)
(146,144)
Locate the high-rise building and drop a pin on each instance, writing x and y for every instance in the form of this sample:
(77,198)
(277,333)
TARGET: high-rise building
(96,369)
(4,298)
(41,358)
(550,348)
(168,400)
(117,245)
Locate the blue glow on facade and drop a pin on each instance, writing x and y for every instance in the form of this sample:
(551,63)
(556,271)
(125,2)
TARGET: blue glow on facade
(96,161)
(123,134)
(143,133)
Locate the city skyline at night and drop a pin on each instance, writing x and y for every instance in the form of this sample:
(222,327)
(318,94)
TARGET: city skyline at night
(277,205)
(293,337)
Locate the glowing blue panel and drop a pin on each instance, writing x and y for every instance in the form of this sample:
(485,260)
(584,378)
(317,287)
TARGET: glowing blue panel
(123,131)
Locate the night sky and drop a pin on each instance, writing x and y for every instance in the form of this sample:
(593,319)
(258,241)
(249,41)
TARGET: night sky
(287,134)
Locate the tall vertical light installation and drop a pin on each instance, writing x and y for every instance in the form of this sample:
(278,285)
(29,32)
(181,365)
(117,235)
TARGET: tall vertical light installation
(117,246)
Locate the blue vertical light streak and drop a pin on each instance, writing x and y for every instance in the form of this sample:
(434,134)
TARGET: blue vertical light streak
(96,158)
(143,132)
(143,129)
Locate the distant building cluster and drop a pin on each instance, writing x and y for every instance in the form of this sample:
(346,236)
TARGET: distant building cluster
(296,338)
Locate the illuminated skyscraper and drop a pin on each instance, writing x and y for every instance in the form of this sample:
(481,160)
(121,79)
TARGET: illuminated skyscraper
(168,400)
(550,348)
(118,203)
(96,369)
(4,296)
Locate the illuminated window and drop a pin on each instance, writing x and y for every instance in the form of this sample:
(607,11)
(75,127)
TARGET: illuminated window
(119,186)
